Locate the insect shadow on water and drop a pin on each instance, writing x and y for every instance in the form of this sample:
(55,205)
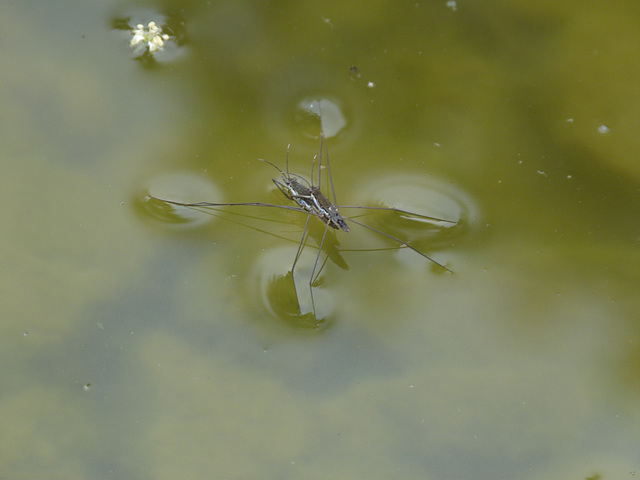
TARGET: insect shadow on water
(309,199)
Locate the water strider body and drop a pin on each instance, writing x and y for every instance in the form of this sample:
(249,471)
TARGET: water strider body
(308,198)
(330,214)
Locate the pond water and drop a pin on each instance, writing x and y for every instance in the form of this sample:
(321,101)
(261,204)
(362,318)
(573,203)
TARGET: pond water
(144,340)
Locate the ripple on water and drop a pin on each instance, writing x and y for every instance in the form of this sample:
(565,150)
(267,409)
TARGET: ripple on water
(453,210)
(330,110)
(183,187)
(307,110)
(271,279)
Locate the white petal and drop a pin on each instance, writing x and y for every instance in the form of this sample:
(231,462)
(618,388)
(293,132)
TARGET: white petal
(138,38)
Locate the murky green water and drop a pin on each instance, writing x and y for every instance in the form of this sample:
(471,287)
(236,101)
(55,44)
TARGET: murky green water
(148,342)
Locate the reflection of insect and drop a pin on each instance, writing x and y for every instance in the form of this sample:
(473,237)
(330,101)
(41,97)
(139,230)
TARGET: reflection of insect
(309,199)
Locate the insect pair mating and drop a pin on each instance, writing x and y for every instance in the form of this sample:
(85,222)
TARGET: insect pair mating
(308,198)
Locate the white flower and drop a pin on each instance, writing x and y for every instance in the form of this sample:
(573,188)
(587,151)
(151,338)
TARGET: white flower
(153,38)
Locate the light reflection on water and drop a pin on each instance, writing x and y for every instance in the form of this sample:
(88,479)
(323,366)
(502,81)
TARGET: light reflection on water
(521,364)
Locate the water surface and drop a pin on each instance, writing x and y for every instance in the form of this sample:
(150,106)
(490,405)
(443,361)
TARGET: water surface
(141,342)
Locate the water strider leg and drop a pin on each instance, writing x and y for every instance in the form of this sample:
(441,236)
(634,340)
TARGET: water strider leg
(295,261)
(401,242)
(397,210)
(313,271)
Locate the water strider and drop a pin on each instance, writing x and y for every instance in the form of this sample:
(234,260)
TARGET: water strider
(308,198)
